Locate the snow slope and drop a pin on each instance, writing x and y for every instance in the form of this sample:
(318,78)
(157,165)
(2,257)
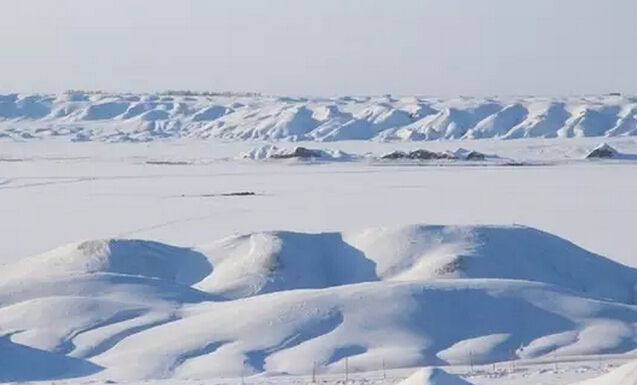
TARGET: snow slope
(281,302)
(625,375)
(146,117)
(24,363)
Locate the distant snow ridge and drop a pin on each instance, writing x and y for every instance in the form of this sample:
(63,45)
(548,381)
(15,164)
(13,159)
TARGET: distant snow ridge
(135,118)
(280,302)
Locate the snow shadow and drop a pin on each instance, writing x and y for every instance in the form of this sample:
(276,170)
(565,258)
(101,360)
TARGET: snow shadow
(20,363)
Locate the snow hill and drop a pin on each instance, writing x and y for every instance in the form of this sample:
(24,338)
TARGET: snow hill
(128,117)
(282,302)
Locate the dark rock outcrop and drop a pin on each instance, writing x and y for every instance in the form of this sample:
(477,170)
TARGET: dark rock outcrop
(299,152)
(430,155)
(474,155)
(603,151)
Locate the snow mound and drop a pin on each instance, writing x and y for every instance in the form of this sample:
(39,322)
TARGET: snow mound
(276,302)
(433,376)
(118,256)
(266,262)
(516,252)
(269,262)
(300,153)
(625,375)
(124,117)
(211,113)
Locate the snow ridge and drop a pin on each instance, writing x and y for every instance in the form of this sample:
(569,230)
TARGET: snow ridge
(134,118)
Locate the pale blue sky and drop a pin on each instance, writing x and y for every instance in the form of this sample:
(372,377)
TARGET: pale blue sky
(321,47)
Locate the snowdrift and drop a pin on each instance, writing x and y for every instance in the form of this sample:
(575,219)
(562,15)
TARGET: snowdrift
(118,256)
(278,302)
(134,118)
(433,376)
(266,262)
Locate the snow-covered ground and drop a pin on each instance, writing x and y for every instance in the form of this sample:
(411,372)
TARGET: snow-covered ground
(133,118)
(162,191)
(518,269)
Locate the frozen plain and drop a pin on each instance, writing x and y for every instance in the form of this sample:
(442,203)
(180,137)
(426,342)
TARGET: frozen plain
(56,193)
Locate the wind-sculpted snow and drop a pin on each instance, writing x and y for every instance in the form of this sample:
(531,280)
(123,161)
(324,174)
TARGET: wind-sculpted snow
(283,302)
(131,118)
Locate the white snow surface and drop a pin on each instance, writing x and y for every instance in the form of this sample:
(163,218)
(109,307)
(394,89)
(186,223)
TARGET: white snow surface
(166,276)
(145,117)
(625,375)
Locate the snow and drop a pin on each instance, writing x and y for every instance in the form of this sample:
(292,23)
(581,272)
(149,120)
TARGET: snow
(170,275)
(626,375)
(433,376)
(143,310)
(123,117)
(605,151)
(22,363)
(269,151)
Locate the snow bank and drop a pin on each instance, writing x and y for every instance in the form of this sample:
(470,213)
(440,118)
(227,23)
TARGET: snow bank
(278,302)
(265,262)
(125,117)
(433,376)
(116,256)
